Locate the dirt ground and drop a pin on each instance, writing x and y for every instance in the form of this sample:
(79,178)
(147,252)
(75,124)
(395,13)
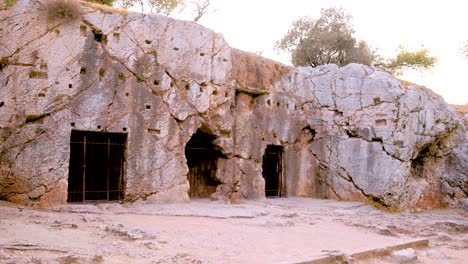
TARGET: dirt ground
(288,230)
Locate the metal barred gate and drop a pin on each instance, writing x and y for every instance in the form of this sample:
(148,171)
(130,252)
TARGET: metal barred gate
(96,171)
(273,170)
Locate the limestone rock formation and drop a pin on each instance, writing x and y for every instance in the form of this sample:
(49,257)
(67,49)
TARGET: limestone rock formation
(389,141)
(352,133)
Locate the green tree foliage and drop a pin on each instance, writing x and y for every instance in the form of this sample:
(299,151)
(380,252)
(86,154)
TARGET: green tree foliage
(419,59)
(152,6)
(102,2)
(328,39)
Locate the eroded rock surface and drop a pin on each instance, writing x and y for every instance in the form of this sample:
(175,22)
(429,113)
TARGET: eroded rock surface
(352,133)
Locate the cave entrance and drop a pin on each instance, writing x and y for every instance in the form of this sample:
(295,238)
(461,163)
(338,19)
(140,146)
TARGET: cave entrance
(273,170)
(96,171)
(202,160)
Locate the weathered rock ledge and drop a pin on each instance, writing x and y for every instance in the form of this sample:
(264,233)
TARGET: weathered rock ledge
(350,133)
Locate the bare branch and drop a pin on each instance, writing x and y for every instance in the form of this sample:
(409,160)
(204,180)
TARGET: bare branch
(201,9)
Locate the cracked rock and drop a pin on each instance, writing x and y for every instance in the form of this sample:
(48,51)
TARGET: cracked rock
(351,133)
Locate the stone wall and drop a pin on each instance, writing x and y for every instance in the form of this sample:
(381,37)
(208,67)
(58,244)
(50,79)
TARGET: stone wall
(351,133)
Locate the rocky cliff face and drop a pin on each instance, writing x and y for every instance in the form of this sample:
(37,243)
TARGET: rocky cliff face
(353,133)
(384,141)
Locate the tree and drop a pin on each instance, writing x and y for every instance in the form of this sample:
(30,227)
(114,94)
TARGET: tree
(152,6)
(419,59)
(329,39)
(165,7)
(202,7)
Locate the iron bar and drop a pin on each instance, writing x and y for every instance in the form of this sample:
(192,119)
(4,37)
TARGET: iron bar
(108,166)
(84,168)
(96,143)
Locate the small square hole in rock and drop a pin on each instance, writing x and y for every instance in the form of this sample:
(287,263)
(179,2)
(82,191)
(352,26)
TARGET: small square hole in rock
(98,36)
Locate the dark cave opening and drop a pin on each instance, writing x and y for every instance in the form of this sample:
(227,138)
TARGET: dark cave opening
(202,160)
(272,168)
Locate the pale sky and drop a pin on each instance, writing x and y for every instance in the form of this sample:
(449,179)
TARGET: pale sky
(440,26)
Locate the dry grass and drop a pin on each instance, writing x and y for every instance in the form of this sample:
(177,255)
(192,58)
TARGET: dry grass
(461,108)
(7,3)
(406,84)
(64,10)
(106,9)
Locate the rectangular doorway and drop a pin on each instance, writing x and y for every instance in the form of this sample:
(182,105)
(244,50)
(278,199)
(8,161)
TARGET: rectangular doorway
(96,171)
(273,171)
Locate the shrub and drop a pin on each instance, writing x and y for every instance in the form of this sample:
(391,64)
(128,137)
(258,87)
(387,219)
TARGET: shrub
(102,2)
(62,9)
(7,3)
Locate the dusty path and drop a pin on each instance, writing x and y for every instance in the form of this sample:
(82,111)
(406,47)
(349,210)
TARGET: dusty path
(269,231)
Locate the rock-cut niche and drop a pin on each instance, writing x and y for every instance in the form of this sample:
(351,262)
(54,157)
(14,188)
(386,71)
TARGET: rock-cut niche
(202,160)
